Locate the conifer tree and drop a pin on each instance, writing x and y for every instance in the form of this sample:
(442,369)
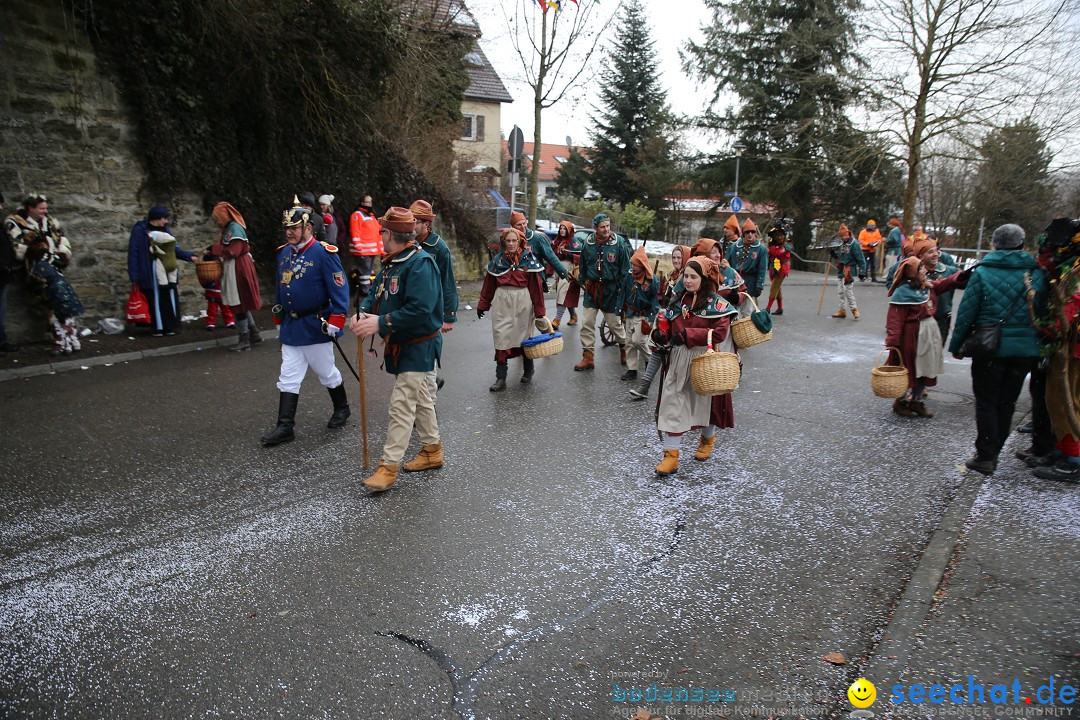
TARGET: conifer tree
(631,118)
(790,63)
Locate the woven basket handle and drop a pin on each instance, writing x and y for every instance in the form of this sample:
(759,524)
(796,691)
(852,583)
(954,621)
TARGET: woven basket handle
(889,347)
(709,341)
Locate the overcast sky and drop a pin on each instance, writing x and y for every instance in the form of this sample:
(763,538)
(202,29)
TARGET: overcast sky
(672,22)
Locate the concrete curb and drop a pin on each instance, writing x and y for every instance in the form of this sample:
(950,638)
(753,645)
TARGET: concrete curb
(67,365)
(890,656)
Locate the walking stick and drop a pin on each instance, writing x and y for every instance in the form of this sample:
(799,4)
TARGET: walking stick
(821,302)
(363,397)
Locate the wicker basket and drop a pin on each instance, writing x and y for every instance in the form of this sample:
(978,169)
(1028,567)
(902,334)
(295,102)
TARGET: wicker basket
(208,271)
(545,345)
(745,333)
(714,373)
(889,381)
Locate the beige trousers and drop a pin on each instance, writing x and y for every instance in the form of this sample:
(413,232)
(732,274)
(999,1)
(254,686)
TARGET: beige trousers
(409,401)
(637,345)
(588,328)
(847,295)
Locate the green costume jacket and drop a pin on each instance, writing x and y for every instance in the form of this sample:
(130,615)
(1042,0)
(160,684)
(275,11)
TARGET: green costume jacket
(603,272)
(407,296)
(437,248)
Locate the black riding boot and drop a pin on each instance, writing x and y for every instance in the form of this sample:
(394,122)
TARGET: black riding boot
(341,407)
(530,368)
(286,417)
(500,378)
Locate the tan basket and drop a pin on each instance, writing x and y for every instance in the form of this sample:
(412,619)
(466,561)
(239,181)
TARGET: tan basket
(889,381)
(547,348)
(208,271)
(745,333)
(714,373)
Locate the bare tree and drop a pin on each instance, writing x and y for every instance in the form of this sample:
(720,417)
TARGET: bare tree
(946,65)
(554,47)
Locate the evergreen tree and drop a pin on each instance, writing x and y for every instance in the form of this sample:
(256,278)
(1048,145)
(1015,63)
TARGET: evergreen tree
(1013,183)
(572,177)
(789,61)
(631,119)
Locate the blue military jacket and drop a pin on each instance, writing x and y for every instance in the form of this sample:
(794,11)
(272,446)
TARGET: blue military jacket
(407,296)
(309,278)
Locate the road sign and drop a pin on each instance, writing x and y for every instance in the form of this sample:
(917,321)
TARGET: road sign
(736,204)
(516,143)
(729,193)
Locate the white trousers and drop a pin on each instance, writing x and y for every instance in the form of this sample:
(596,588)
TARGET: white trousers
(296,359)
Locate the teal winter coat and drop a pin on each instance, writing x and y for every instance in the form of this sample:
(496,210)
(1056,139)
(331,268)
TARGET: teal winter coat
(993,289)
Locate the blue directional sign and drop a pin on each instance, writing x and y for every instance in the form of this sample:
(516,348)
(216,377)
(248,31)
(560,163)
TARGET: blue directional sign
(735,204)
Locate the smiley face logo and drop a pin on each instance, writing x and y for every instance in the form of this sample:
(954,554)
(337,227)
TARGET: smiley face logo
(862,693)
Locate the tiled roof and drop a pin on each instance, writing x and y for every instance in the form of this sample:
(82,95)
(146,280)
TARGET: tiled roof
(551,157)
(484,82)
(445,12)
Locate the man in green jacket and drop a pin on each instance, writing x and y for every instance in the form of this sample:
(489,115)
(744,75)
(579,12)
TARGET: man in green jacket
(1007,289)
(431,243)
(405,307)
(603,272)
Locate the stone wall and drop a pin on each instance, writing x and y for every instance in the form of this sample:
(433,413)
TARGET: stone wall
(65,134)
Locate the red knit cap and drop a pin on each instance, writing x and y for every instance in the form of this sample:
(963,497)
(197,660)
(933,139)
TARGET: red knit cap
(641,259)
(516,217)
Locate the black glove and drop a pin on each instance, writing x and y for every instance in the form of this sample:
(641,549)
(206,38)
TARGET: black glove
(480,313)
(658,337)
(965,275)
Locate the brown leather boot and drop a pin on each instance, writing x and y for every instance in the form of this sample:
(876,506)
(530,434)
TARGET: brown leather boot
(573,320)
(902,408)
(430,458)
(855,313)
(704,448)
(383,478)
(920,409)
(555,323)
(841,313)
(669,464)
(622,354)
(586,361)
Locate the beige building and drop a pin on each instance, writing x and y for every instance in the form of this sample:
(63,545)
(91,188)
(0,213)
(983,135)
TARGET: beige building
(479,149)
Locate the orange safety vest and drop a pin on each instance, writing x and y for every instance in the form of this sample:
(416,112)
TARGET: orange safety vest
(364,232)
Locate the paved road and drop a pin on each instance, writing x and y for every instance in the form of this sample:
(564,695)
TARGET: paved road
(158,562)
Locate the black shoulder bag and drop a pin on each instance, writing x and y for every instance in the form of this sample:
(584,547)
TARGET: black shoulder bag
(984,340)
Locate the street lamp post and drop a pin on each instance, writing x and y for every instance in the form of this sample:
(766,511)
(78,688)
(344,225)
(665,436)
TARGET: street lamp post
(738,148)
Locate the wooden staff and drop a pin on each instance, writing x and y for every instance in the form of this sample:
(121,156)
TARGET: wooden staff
(363,396)
(825,284)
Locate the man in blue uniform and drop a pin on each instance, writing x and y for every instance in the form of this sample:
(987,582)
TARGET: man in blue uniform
(312,298)
(431,243)
(405,307)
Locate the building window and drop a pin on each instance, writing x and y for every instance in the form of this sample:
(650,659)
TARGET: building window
(472,127)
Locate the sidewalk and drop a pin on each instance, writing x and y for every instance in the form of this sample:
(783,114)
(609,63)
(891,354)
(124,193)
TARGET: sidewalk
(33,359)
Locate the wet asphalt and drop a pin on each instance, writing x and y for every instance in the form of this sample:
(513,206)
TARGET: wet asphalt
(157,562)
